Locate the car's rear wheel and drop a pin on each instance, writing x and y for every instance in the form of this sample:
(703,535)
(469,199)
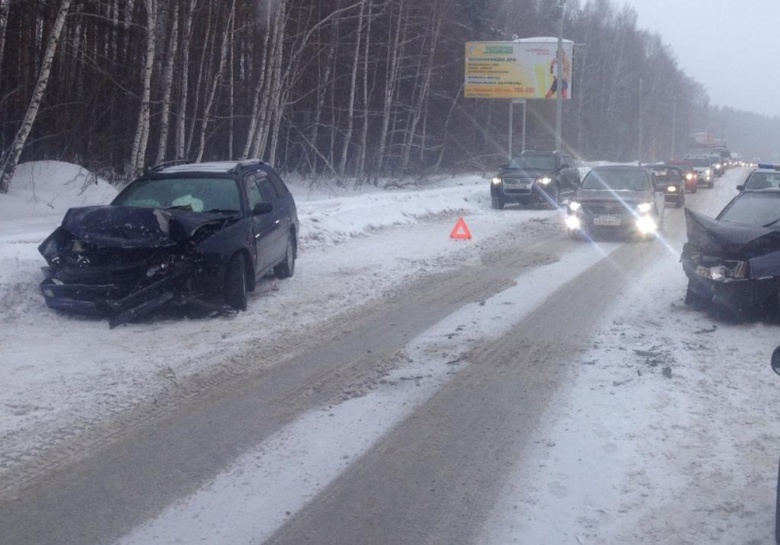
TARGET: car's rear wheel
(235,283)
(286,268)
(497,202)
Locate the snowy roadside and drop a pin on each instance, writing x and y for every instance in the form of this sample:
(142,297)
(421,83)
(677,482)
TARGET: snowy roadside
(64,374)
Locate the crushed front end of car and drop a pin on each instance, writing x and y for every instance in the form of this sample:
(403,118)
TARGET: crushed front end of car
(124,262)
(731,266)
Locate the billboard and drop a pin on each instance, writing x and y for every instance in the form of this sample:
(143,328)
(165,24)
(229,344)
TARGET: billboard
(519,69)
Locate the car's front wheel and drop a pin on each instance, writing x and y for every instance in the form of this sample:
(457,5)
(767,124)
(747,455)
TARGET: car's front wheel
(286,268)
(235,283)
(496,201)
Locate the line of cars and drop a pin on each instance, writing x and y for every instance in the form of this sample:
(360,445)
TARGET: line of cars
(621,199)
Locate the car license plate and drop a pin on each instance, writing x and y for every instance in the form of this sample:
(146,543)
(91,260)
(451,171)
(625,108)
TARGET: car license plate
(611,221)
(523,186)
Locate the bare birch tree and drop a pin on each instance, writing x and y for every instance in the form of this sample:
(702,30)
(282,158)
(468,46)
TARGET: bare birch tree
(167,84)
(4,5)
(12,159)
(138,154)
(223,56)
(181,117)
(352,90)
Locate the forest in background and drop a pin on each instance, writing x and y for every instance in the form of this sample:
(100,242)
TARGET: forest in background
(352,90)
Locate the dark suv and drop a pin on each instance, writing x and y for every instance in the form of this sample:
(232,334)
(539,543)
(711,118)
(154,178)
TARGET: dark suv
(535,177)
(197,234)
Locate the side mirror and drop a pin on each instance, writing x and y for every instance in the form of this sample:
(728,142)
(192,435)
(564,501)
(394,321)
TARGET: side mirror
(776,360)
(262,208)
(740,187)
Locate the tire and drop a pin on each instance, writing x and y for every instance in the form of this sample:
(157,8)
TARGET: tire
(496,202)
(711,184)
(286,268)
(235,283)
(680,200)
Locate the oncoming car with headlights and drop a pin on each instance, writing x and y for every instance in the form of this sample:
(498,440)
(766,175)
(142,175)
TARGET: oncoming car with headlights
(535,177)
(619,199)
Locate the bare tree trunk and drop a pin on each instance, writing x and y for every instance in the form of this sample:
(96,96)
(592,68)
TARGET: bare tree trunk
(138,155)
(352,91)
(423,80)
(181,117)
(278,91)
(204,72)
(4,5)
(361,162)
(322,91)
(10,162)
(167,83)
(395,53)
(231,88)
(260,99)
(223,55)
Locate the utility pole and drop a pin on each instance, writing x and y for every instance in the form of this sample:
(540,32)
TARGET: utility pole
(559,78)
(674,126)
(639,146)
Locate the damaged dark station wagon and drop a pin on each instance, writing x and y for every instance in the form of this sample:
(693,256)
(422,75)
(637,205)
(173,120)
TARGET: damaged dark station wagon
(733,261)
(197,234)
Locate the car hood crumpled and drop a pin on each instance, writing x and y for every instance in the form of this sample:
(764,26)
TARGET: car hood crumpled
(758,245)
(133,227)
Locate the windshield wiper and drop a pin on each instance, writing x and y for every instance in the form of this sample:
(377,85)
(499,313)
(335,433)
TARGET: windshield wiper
(771,223)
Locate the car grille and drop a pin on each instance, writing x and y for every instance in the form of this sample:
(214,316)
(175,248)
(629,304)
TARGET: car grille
(604,208)
(518,185)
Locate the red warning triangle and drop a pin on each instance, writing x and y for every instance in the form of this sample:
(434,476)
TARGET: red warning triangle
(461,231)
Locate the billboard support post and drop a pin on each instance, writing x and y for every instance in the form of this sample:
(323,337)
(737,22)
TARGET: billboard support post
(559,78)
(510,152)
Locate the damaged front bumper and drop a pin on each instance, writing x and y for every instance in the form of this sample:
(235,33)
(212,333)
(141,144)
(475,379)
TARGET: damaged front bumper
(121,305)
(740,295)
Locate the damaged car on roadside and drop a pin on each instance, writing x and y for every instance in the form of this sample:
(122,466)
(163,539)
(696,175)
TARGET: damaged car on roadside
(194,234)
(733,261)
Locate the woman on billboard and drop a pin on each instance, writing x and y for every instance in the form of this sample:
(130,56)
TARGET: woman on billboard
(566,68)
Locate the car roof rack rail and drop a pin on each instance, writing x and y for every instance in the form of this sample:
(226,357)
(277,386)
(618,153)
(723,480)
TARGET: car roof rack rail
(159,166)
(247,163)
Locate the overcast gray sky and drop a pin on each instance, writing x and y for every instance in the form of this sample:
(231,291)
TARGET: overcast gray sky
(731,47)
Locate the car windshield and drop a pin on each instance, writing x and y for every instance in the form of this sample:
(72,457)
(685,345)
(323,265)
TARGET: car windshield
(539,162)
(196,194)
(763,180)
(667,174)
(756,209)
(616,179)
(699,162)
